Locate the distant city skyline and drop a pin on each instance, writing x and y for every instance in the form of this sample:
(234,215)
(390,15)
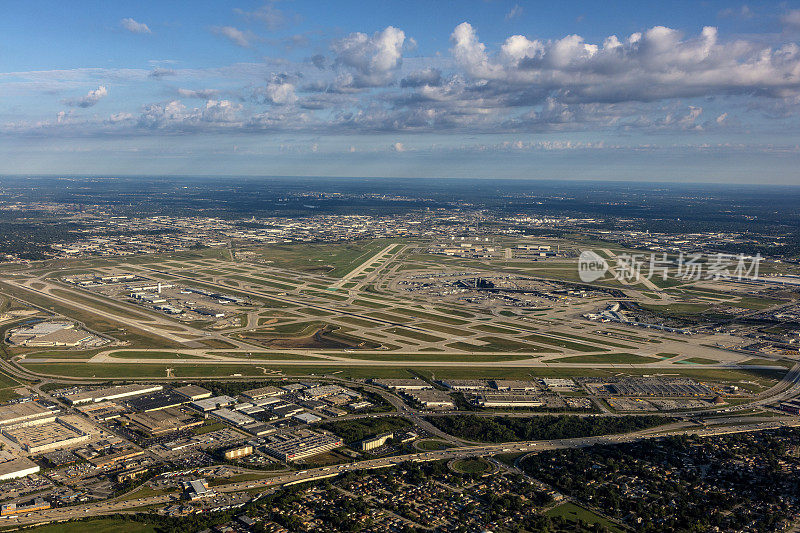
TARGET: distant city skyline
(680,92)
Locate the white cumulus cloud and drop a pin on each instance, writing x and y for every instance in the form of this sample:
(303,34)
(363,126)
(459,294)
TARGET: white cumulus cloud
(134,27)
(91,98)
(375,58)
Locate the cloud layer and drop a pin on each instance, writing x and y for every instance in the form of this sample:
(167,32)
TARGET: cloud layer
(657,80)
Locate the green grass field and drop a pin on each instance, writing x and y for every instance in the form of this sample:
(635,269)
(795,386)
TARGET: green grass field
(100,525)
(608,358)
(133,354)
(567,344)
(413,334)
(573,513)
(700,361)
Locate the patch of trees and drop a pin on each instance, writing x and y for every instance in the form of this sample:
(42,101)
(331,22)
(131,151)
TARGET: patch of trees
(361,428)
(547,427)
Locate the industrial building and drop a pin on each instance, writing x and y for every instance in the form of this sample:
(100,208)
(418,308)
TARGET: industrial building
(302,444)
(260,393)
(322,391)
(16,468)
(306,418)
(196,489)
(402,384)
(233,417)
(499,399)
(193,392)
(162,421)
(37,504)
(156,401)
(110,393)
(465,384)
(513,385)
(45,435)
(20,413)
(212,404)
(432,399)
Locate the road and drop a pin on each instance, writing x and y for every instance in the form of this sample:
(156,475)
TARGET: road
(119,505)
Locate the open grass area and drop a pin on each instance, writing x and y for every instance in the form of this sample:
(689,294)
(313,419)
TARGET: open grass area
(358,321)
(444,357)
(300,329)
(594,340)
(700,361)
(413,334)
(430,316)
(368,303)
(138,354)
(391,318)
(677,309)
(98,525)
(562,343)
(263,282)
(608,358)
(488,328)
(333,259)
(431,445)
(142,370)
(574,513)
(314,312)
(446,329)
(498,344)
(769,362)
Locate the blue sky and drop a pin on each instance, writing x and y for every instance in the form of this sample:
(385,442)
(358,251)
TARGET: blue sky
(666,91)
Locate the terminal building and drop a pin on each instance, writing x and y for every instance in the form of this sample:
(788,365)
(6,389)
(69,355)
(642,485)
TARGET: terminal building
(49,334)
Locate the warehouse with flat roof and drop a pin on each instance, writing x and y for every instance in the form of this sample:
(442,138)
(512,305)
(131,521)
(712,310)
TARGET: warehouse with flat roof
(261,393)
(46,435)
(296,446)
(18,413)
(110,393)
(16,468)
(193,392)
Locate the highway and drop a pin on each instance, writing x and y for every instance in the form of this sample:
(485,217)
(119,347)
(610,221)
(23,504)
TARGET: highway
(132,505)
